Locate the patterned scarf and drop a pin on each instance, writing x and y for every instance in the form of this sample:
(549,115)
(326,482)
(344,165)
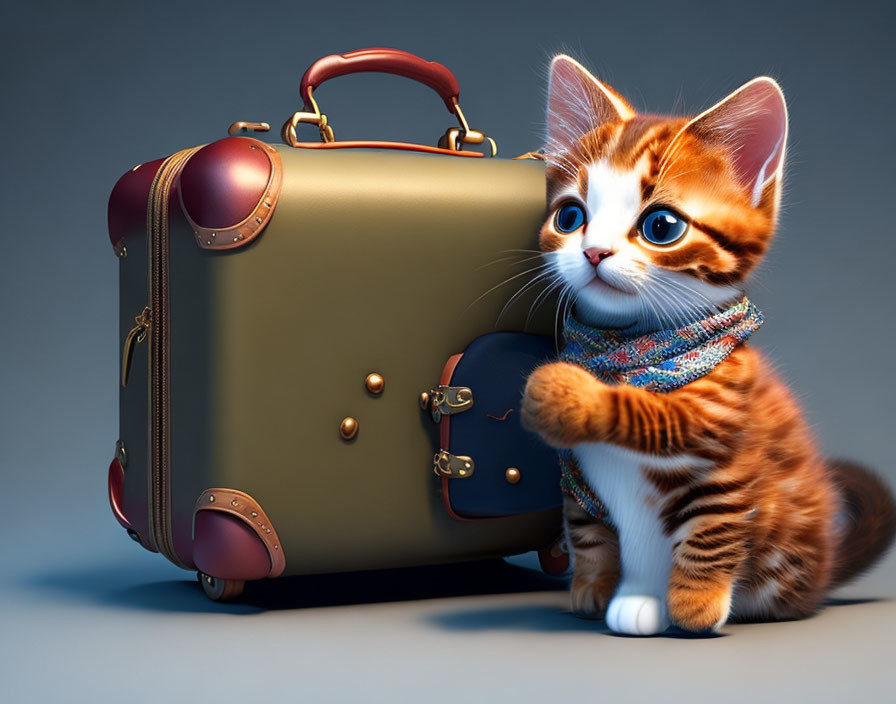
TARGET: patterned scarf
(660,361)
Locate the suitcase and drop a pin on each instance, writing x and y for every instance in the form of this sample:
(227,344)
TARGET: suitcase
(312,378)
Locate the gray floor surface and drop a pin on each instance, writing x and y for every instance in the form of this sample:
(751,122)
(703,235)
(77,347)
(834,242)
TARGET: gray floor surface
(124,626)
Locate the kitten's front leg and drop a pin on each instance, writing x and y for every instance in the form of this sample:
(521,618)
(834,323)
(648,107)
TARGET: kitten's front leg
(565,405)
(595,548)
(703,574)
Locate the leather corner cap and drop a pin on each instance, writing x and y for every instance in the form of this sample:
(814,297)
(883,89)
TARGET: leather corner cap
(228,191)
(225,547)
(116,492)
(127,202)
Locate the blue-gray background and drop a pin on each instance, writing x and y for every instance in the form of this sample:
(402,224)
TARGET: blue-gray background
(90,89)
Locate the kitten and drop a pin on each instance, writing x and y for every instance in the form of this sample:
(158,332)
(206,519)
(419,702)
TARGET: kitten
(718,501)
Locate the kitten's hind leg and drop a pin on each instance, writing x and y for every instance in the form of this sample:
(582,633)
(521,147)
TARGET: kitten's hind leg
(595,550)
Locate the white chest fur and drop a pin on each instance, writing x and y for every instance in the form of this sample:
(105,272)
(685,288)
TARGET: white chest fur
(616,475)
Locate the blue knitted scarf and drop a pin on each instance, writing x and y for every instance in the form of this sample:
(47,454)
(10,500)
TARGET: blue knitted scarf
(660,361)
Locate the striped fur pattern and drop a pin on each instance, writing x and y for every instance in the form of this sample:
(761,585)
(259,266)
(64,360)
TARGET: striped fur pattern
(720,505)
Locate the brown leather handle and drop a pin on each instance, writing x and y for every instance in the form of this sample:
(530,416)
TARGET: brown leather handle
(382,60)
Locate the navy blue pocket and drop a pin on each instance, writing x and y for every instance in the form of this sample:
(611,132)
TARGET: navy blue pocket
(513,471)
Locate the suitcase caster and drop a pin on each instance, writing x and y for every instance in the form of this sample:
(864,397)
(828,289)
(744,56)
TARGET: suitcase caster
(220,589)
(554,559)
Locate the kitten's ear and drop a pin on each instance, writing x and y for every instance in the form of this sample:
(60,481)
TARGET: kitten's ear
(752,124)
(578,103)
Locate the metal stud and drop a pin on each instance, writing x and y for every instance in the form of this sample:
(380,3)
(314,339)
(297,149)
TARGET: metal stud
(375,383)
(234,502)
(121,454)
(424,400)
(211,498)
(512,475)
(348,428)
(255,514)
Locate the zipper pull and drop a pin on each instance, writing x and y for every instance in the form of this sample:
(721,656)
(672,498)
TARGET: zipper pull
(136,335)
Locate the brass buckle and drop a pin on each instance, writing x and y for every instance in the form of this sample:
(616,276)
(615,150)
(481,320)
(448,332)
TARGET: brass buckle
(456,137)
(444,464)
(448,401)
(313,116)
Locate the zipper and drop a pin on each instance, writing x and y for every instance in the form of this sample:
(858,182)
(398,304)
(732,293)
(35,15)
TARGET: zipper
(135,336)
(158,242)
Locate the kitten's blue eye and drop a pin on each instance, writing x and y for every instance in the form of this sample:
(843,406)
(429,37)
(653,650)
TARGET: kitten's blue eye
(569,218)
(662,226)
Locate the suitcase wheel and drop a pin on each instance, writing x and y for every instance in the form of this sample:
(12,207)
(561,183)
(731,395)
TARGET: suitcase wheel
(554,559)
(218,589)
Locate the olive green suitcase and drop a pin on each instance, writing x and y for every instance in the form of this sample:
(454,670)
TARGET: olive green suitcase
(285,311)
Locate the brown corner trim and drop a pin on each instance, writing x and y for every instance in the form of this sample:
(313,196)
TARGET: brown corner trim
(241,505)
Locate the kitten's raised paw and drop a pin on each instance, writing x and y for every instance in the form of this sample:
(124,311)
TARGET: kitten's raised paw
(559,402)
(637,615)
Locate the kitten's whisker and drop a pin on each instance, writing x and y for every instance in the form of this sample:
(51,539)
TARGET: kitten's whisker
(506,281)
(541,298)
(519,260)
(525,251)
(660,295)
(529,284)
(674,283)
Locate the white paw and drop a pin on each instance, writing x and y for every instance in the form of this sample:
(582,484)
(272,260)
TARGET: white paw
(637,615)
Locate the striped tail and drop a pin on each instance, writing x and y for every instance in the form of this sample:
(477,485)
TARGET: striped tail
(867,523)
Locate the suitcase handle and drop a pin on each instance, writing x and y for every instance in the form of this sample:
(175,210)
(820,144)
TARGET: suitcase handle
(382,60)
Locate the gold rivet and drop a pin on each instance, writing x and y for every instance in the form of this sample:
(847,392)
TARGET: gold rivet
(424,400)
(211,499)
(234,502)
(374,383)
(120,454)
(348,428)
(255,514)
(512,475)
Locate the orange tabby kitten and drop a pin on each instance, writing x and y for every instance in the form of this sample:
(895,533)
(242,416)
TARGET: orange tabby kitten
(718,503)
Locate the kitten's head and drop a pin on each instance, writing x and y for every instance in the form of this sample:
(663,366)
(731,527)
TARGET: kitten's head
(656,221)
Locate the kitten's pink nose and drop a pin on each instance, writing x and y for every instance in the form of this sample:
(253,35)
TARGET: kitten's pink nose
(595,255)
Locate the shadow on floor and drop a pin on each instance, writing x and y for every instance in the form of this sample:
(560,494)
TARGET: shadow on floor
(540,619)
(114,587)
